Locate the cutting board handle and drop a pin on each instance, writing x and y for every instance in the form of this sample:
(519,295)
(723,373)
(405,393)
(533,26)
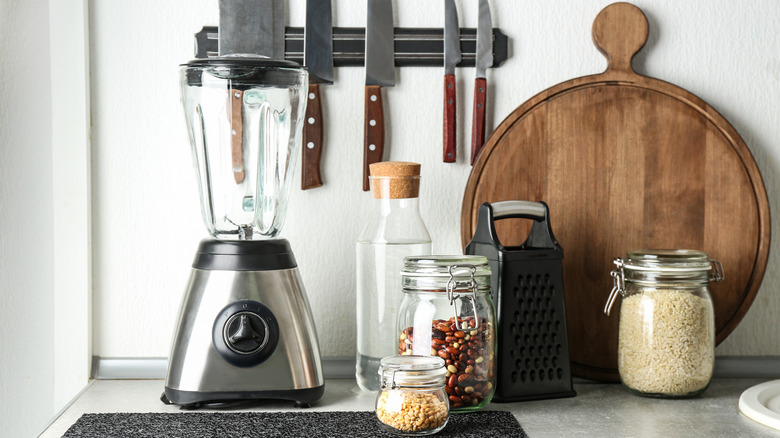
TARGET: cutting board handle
(619,32)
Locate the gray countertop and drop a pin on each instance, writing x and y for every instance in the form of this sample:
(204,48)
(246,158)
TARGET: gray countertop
(598,410)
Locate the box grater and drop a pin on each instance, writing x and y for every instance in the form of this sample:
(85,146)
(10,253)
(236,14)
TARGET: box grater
(527,283)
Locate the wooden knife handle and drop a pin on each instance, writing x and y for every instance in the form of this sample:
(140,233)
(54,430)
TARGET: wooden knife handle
(312,141)
(450,119)
(236,139)
(374,131)
(478,120)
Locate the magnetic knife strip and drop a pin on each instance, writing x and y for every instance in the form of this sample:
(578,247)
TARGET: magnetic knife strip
(413,46)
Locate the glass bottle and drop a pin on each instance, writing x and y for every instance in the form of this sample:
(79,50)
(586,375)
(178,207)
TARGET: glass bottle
(447,311)
(412,400)
(666,330)
(393,231)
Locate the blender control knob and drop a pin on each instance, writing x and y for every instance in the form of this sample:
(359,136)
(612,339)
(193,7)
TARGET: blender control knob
(245,332)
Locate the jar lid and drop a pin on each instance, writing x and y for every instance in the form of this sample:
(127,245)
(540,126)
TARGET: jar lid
(681,260)
(653,267)
(442,272)
(415,371)
(440,265)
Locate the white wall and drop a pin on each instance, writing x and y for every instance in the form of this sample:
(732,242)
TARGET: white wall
(146,215)
(26,265)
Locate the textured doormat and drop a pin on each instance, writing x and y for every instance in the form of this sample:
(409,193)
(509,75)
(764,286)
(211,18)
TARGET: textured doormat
(278,424)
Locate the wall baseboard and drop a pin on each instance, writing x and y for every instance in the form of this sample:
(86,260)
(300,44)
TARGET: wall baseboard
(103,368)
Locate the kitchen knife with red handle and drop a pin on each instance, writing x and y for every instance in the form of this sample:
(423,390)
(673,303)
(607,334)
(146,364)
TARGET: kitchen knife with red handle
(478,118)
(452,57)
(318,59)
(484,61)
(380,72)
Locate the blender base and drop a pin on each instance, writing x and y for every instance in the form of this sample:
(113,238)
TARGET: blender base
(245,329)
(188,400)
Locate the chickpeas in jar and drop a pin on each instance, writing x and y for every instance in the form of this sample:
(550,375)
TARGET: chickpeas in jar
(412,400)
(436,287)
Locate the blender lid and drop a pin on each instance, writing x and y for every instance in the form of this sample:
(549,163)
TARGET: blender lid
(244,70)
(248,60)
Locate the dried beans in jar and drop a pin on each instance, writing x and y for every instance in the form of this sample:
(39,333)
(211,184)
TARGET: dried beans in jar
(446,311)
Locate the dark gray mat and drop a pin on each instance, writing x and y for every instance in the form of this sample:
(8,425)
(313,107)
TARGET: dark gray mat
(278,424)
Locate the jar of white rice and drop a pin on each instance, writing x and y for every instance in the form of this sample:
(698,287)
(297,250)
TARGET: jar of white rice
(666,331)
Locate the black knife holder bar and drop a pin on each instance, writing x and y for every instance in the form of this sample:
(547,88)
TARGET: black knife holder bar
(413,46)
(533,360)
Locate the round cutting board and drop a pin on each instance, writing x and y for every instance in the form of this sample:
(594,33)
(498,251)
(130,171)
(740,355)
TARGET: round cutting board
(625,162)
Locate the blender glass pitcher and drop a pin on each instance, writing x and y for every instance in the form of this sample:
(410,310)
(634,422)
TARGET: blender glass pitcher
(244,118)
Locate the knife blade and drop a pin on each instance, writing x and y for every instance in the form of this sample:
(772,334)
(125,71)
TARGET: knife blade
(380,72)
(452,57)
(484,61)
(318,58)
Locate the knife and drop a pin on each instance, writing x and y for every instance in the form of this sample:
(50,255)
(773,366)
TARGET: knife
(452,57)
(380,72)
(318,58)
(484,61)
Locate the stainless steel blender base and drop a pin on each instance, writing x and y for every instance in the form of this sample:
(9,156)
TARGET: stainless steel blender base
(210,362)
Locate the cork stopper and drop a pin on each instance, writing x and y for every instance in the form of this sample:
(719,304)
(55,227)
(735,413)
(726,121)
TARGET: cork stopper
(395,179)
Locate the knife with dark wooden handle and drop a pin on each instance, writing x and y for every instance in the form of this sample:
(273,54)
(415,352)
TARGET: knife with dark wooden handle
(452,57)
(484,61)
(374,130)
(318,59)
(312,141)
(380,72)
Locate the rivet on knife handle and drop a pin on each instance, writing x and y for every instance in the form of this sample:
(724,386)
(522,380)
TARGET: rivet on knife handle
(450,119)
(312,140)
(478,120)
(236,136)
(374,131)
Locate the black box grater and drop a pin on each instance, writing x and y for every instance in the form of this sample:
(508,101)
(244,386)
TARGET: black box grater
(527,285)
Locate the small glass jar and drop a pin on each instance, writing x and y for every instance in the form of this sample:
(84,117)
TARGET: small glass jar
(666,331)
(447,311)
(412,400)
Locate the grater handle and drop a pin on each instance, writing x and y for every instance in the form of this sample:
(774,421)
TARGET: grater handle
(540,237)
(521,209)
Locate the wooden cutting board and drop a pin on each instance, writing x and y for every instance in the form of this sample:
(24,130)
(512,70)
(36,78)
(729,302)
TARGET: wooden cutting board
(624,162)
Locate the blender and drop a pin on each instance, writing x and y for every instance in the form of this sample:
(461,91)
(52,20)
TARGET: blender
(245,329)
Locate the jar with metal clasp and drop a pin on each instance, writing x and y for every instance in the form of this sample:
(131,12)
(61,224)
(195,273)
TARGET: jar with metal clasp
(411,399)
(447,311)
(666,330)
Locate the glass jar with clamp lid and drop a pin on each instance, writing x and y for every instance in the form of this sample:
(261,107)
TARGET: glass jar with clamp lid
(411,399)
(666,331)
(447,311)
